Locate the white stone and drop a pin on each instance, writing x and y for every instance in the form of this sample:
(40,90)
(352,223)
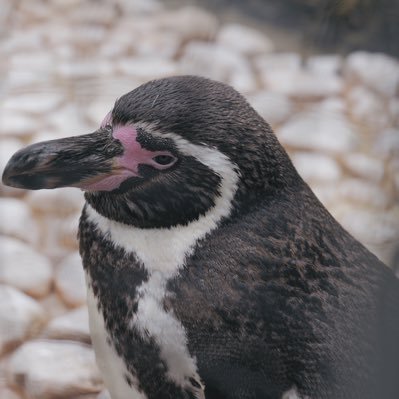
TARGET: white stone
(104,395)
(378,71)
(164,44)
(67,121)
(364,166)
(8,394)
(61,202)
(378,231)
(79,69)
(42,61)
(53,305)
(35,103)
(244,39)
(320,131)
(54,369)
(324,64)
(275,108)
(73,325)
(362,192)
(68,230)
(146,68)
(17,221)
(20,79)
(70,281)
(302,84)
(8,147)
(190,23)
(24,268)
(16,124)
(285,62)
(386,143)
(316,167)
(227,66)
(98,109)
(368,108)
(20,316)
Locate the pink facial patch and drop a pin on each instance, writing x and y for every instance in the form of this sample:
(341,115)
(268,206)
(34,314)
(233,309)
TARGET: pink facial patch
(126,165)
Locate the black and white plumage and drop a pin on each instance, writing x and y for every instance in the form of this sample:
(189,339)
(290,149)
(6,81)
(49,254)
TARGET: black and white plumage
(212,269)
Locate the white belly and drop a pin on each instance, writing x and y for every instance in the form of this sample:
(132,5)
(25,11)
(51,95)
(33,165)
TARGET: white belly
(110,364)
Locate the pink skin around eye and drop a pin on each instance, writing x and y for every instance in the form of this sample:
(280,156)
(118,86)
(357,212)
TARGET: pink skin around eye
(127,164)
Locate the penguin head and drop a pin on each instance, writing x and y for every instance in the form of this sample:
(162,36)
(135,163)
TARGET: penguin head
(164,155)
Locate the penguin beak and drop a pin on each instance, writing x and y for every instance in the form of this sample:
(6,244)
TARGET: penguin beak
(80,161)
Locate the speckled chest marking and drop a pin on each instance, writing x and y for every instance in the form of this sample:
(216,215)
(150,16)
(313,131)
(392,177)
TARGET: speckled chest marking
(163,252)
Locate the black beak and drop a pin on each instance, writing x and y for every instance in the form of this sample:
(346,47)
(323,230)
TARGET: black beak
(73,161)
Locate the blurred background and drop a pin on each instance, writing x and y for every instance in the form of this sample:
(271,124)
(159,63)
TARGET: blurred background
(323,73)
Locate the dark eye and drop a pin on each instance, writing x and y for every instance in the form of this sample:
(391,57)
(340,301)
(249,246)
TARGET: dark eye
(164,159)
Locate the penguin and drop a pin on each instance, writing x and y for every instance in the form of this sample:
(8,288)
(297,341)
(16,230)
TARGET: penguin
(212,270)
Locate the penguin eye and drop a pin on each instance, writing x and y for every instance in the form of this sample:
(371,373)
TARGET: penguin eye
(164,160)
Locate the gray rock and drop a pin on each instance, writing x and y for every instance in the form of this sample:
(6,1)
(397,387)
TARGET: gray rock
(17,220)
(319,131)
(227,65)
(20,317)
(364,166)
(70,281)
(54,369)
(24,268)
(60,202)
(73,325)
(378,71)
(274,107)
(314,167)
(244,39)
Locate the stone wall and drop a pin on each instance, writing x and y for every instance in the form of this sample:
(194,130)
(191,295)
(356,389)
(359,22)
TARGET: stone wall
(64,62)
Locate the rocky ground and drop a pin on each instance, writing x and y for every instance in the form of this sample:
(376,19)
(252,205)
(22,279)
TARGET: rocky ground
(64,62)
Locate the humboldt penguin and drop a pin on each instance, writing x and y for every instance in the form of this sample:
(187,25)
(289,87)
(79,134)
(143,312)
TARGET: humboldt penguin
(212,269)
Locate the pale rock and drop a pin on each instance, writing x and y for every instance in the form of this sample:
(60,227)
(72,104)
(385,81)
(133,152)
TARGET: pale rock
(190,23)
(17,221)
(146,68)
(70,281)
(326,193)
(35,103)
(20,317)
(20,41)
(17,124)
(73,325)
(164,44)
(285,62)
(61,202)
(87,36)
(244,39)
(53,305)
(9,146)
(377,230)
(97,110)
(24,268)
(368,108)
(68,231)
(104,395)
(20,79)
(363,193)
(364,166)
(226,66)
(330,105)
(302,84)
(319,131)
(103,14)
(8,394)
(316,167)
(54,369)
(67,121)
(139,7)
(83,69)
(324,64)
(275,108)
(378,71)
(387,143)
(41,61)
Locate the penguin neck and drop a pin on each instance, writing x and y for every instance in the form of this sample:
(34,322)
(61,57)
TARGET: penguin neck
(165,249)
